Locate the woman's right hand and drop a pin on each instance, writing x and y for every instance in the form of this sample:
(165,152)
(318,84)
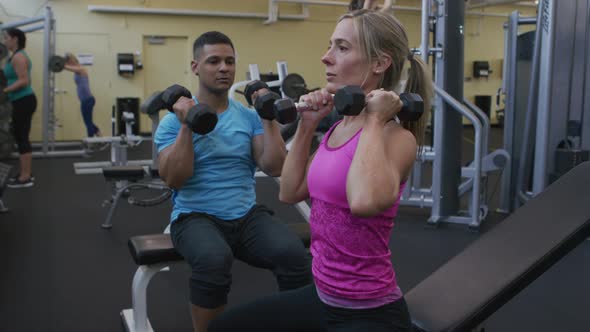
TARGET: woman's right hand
(320,103)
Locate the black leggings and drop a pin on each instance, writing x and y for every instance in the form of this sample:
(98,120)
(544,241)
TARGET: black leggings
(22,116)
(301,310)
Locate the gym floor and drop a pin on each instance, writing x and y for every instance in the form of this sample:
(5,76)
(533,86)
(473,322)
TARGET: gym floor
(62,272)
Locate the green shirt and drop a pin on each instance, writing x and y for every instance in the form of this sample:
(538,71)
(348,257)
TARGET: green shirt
(11,77)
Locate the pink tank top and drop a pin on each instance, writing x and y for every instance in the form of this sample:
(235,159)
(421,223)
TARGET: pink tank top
(351,256)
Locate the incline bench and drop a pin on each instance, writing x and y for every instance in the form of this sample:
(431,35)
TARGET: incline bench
(470,287)
(154,253)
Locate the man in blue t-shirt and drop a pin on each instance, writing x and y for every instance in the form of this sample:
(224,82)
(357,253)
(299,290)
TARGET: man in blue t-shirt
(215,217)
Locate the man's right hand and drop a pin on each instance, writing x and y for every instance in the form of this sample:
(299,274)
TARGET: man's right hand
(181,107)
(259,92)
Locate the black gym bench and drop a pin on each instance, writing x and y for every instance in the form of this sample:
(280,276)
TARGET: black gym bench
(471,286)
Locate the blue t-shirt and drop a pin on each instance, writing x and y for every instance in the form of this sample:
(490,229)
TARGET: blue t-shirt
(223,182)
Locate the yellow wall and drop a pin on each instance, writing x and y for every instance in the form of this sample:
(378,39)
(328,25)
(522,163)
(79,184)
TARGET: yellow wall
(300,43)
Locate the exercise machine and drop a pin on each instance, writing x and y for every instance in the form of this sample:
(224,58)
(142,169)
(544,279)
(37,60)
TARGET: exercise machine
(448,184)
(546,98)
(127,177)
(118,147)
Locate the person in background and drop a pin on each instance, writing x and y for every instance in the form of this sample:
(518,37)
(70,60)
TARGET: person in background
(24,103)
(87,100)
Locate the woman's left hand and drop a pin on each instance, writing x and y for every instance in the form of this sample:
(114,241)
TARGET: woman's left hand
(382,105)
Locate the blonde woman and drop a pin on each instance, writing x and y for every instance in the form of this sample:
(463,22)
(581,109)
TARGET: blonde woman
(87,100)
(354,181)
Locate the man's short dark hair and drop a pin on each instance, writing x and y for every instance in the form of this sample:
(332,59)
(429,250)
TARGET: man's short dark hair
(210,38)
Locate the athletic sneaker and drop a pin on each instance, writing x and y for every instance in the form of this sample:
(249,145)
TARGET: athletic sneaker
(95,147)
(20,184)
(14,178)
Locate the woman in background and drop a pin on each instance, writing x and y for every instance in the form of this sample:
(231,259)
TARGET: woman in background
(18,87)
(87,100)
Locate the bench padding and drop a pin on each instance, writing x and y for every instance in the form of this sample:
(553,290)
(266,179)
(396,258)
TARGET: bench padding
(129,172)
(152,249)
(158,248)
(465,291)
(154,172)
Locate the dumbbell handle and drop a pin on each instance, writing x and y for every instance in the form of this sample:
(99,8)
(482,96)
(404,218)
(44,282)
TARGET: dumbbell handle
(302,107)
(286,110)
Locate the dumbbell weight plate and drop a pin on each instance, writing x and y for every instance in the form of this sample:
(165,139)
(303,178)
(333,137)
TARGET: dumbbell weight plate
(413,107)
(349,100)
(172,94)
(252,87)
(56,63)
(264,105)
(293,86)
(201,119)
(153,104)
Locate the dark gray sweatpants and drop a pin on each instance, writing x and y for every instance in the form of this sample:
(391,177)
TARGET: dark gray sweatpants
(209,245)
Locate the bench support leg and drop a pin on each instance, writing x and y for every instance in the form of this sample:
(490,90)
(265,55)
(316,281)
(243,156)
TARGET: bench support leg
(136,319)
(108,223)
